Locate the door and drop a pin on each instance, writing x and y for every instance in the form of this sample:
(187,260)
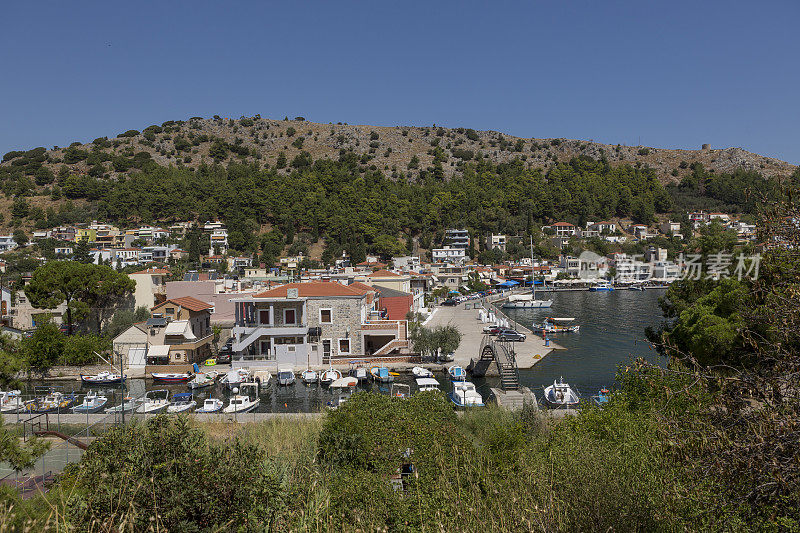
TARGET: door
(326,351)
(266,349)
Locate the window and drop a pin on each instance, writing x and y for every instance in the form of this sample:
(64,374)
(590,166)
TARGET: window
(325,316)
(344,346)
(263,316)
(289,316)
(170,310)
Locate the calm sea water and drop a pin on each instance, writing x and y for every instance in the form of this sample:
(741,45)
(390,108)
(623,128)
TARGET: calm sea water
(611,334)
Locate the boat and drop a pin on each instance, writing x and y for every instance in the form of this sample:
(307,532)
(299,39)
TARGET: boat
(602,286)
(559,394)
(128,404)
(561,320)
(203,379)
(235,377)
(11,401)
(464,394)
(103,378)
(427,384)
(171,377)
(181,403)
(636,287)
(421,372)
(400,390)
(339,400)
(602,397)
(285,376)
(211,405)
(381,374)
(358,372)
(92,403)
(154,401)
(329,376)
(548,327)
(527,301)
(242,403)
(457,373)
(52,402)
(345,383)
(309,376)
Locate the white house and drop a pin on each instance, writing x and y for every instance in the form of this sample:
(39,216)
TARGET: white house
(448,254)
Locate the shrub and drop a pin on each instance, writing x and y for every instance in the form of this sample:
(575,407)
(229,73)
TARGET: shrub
(129,133)
(644,151)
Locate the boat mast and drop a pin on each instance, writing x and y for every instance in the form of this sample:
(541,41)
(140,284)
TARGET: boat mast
(533,281)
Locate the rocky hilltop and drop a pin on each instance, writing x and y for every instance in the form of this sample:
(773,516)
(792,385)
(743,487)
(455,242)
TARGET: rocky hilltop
(397,150)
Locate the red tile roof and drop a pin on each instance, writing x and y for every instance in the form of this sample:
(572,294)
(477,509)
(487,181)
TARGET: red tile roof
(188,302)
(312,289)
(563,225)
(363,287)
(383,274)
(153,271)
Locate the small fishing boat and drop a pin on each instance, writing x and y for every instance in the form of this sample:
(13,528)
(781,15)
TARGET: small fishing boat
(381,374)
(561,320)
(11,401)
(211,405)
(559,394)
(203,379)
(427,384)
(310,376)
(103,378)
(181,403)
(128,404)
(359,372)
(171,377)
(549,327)
(421,372)
(602,286)
(241,404)
(235,377)
(457,373)
(464,394)
(285,376)
(400,390)
(636,287)
(602,397)
(53,402)
(345,383)
(329,376)
(154,401)
(92,403)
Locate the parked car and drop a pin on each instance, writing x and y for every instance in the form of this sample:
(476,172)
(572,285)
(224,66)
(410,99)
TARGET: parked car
(496,330)
(450,302)
(510,335)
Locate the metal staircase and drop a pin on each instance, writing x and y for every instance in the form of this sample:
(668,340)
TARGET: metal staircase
(503,356)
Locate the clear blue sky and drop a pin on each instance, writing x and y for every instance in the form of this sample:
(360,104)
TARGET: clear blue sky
(673,74)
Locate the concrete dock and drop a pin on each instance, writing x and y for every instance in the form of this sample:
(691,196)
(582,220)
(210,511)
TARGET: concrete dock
(466,320)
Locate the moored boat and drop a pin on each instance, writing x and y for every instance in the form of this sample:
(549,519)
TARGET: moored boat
(359,372)
(345,383)
(285,376)
(154,401)
(329,376)
(235,377)
(53,402)
(427,384)
(602,286)
(560,394)
(103,378)
(92,403)
(601,398)
(211,405)
(310,376)
(457,373)
(171,377)
(464,394)
(181,403)
(11,401)
(381,374)
(203,379)
(128,404)
(421,372)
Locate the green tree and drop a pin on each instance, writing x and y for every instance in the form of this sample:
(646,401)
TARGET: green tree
(81,253)
(83,287)
(20,237)
(44,348)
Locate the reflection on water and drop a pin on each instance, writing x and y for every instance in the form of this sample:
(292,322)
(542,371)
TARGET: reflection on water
(611,334)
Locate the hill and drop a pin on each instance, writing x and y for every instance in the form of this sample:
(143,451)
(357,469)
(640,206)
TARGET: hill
(397,151)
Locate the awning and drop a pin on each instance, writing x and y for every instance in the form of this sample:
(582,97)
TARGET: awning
(509,283)
(158,350)
(180,327)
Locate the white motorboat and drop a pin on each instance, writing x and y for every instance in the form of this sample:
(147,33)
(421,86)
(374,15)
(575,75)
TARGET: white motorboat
(92,403)
(329,376)
(154,401)
(457,373)
(421,372)
(211,405)
(181,403)
(128,404)
(559,394)
(310,376)
(427,384)
(285,376)
(234,378)
(526,301)
(11,401)
(360,373)
(464,394)
(203,379)
(103,378)
(241,404)
(345,383)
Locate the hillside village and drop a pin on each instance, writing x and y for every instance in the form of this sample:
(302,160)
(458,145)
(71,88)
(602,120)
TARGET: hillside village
(301,313)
